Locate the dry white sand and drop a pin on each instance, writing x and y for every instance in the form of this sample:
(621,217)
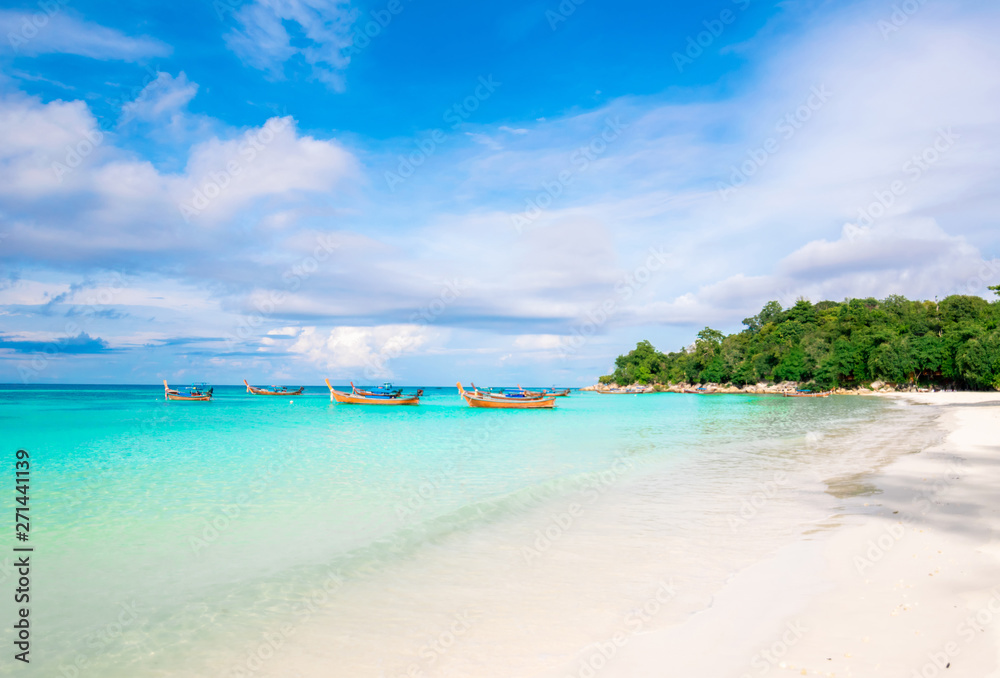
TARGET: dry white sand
(908,586)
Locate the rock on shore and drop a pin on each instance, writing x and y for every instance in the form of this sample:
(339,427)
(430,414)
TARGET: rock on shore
(764,388)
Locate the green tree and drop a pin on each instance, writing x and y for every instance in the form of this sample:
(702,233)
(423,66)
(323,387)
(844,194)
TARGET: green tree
(952,342)
(978,361)
(710,336)
(792,367)
(770,313)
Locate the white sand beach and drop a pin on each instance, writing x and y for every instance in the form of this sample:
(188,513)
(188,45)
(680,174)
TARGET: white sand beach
(909,585)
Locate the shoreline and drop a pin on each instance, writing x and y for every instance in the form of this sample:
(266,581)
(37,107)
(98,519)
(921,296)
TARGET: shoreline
(877,388)
(906,585)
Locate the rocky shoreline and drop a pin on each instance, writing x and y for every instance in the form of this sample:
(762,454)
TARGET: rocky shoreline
(762,388)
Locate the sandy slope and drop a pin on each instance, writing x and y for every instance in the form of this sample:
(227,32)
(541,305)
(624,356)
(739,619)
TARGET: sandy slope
(908,586)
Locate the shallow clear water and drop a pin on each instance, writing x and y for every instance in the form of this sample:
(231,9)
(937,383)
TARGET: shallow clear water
(295,537)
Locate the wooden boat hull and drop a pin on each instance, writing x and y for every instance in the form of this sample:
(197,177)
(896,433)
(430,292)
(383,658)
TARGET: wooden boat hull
(349,399)
(807,395)
(503,396)
(354,399)
(363,392)
(261,391)
(490,402)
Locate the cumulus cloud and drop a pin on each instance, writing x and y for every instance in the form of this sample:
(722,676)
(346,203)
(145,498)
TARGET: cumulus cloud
(69,194)
(272,160)
(352,348)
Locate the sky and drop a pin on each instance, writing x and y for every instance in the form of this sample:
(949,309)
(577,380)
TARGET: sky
(517,192)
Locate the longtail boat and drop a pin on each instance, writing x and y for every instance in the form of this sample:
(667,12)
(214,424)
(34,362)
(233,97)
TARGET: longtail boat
(277,390)
(480,399)
(354,398)
(547,392)
(701,391)
(195,392)
(506,394)
(385,390)
(806,394)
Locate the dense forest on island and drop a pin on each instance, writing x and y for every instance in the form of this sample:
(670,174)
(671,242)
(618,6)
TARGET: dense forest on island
(953,343)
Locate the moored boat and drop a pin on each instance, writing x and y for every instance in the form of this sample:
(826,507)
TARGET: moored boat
(196,392)
(806,394)
(355,398)
(275,390)
(480,399)
(385,390)
(506,393)
(546,392)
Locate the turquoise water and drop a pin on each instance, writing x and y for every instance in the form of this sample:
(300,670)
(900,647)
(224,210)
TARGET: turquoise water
(171,538)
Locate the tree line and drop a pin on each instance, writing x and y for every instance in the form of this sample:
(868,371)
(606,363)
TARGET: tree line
(954,343)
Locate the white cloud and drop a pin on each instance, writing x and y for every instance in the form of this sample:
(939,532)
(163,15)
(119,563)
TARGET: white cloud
(262,41)
(30,292)
(166,95)
(70,194)
(284,331)
(271,160)
(33,136)
(915,258)
(351,348)
(34,33)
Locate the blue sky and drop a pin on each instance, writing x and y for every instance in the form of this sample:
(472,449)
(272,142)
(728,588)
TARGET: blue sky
(507,193)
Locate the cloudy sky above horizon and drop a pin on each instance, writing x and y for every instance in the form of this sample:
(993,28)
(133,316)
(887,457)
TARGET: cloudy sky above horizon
(286,190)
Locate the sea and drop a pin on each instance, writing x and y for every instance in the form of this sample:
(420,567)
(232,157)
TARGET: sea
(294,537)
